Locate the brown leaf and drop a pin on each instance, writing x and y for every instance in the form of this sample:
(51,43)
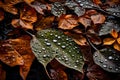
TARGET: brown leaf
(2,73)
(22,45)
(114,33)
(98,18)
(9,55)
(1,15)
(67,22)
(58,74)
(116,46)
(12,2)
(44,22)
(97,2)
(86,22)
(18,23)
(28,14)
(108,41)
(79,39)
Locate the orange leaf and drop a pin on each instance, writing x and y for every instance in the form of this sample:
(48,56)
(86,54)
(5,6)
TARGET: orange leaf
(9,55)
(86,22)
(118,40)
(108,41)
(67,22)
(28,14)
(2,73)
(22,45)
(116,46)
(98,18)
(114,33)
(97,2)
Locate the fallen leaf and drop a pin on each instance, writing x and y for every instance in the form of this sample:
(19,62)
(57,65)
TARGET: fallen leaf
(27,17)
(2,73)
(108,41)
(67,22)
(9,55)
(1,15)
(86,22)
(44,22)
(98,18)
(114,33)
(22,46)
(58,74)
(116,46)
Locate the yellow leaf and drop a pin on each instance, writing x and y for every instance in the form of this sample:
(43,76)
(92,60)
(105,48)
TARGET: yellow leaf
(108,41)
(114,33)
(117,46)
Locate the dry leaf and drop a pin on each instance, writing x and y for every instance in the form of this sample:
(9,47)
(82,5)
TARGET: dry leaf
(86,22)
(2,73)
(116,46)
(58,74)
(9,55)
(98,18)
(27,17)
(98,2)
(115,40)
(114,33)
(67,22)
(108,41)
(44,22)
(29,1)
(22,45)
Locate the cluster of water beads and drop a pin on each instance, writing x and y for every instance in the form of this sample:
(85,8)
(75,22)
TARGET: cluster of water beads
(54,44)
(57,9)
(108,59)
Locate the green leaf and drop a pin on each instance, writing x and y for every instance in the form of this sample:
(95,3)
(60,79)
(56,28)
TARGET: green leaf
(108,59)
(50,43)
(57,9)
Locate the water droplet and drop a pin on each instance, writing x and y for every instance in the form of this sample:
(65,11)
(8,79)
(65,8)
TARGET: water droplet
(105,60)
(46,39)
(43,48)
(66,59)
(40,51)
(48,44)
(65,56)
(77,61)
(44,56)
(73,55)
(110,57)
(110,67)
(116,69)
(63,47)
(51,34)
(101,61)
(75,66)
(59,58)
(69,51)
(105,66)
(59,43)
(58,37)
(55,40)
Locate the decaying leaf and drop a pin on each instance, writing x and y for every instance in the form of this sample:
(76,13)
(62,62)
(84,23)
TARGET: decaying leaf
(9,55)
(27,17)
(22,46)
(49,44)
(98,18)
(67,22)
(2,73)
(39,7)
(86,22)
(1,15)
(58,74)
(108,59)
(44,22)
